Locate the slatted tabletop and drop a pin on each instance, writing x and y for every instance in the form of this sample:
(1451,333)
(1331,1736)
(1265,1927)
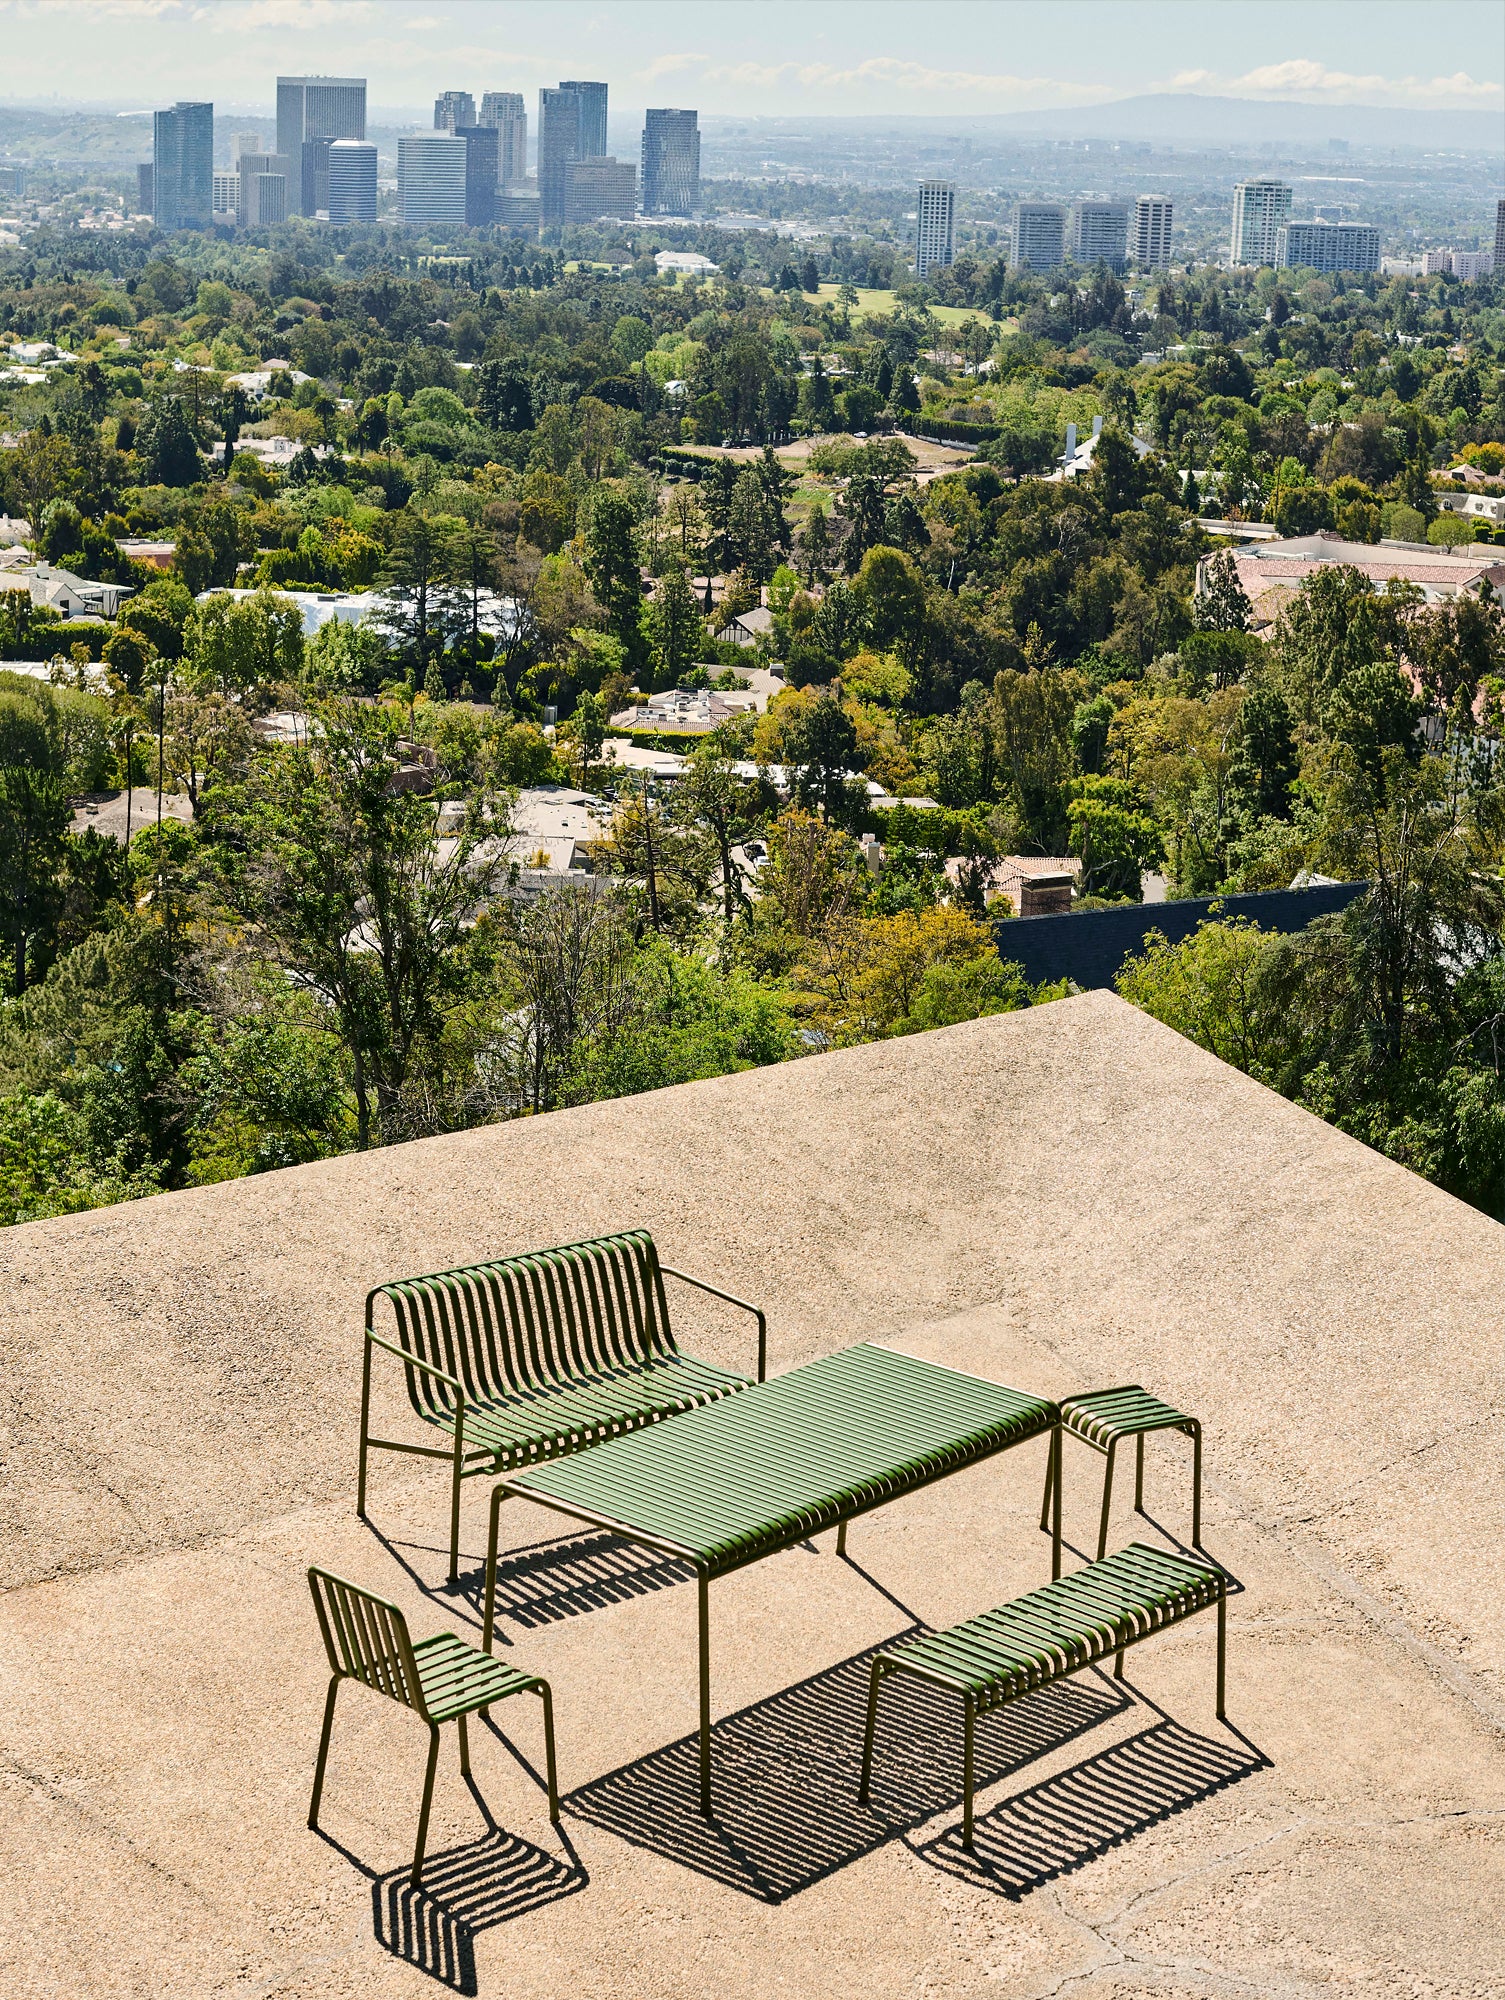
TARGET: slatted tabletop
(741,1479)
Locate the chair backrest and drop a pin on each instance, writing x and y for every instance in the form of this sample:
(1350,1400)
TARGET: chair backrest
(366,1637)
(529,1322)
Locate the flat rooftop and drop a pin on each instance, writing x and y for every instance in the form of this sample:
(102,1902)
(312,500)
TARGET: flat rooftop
(1060,1199)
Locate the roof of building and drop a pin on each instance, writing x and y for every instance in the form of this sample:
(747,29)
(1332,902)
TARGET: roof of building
(1441,570)
(1062,1198)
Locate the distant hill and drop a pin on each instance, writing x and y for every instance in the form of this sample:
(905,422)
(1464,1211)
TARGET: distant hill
(1241,121)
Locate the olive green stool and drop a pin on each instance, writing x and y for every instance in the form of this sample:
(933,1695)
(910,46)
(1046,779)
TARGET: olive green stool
(1103,1417)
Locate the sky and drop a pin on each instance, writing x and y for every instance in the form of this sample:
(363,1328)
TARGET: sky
(765,57)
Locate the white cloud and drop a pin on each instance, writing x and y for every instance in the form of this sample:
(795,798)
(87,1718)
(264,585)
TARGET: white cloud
(1314,83)
(883,75)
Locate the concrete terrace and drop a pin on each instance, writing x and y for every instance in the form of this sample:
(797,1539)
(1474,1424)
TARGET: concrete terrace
(1064,1198)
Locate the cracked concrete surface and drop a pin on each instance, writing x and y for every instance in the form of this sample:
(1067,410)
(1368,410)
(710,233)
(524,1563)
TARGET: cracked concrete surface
(1060,1199)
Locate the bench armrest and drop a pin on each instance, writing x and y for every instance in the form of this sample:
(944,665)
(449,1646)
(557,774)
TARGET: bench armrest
(732,1300)
(417,1361)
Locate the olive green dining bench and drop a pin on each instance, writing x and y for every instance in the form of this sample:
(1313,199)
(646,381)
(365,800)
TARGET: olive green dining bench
(1048,1634)
(531,1358)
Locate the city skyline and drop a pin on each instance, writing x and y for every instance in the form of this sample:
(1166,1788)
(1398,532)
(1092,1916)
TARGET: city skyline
(786,58)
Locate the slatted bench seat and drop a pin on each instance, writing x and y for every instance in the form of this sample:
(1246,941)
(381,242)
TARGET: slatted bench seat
(1050,1633)
(533,1357)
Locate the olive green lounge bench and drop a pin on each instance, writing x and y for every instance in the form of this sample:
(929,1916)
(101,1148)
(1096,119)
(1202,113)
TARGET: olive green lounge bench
(534,1357)
(1048,1634)
(441,1679)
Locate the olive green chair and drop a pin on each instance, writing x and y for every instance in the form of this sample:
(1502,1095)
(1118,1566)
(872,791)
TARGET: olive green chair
(441,1679)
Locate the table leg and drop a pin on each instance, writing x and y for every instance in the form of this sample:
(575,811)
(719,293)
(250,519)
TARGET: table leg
(1055,1521)
(705,1698)
(841,1539)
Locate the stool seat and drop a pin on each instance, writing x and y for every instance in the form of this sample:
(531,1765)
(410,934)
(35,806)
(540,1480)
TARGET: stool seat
(1102,1418)
(1105,1414)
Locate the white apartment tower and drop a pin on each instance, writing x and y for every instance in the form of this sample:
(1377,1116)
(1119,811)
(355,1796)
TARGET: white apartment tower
(935,223)
(431,178)
(506,111)
(1100,233)
(1039,236)
(1260,210)
(1151,246)
(352,181)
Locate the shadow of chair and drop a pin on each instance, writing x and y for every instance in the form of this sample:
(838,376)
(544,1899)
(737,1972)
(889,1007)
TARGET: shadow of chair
(466,1890)
(1067,1820)
(786,1773)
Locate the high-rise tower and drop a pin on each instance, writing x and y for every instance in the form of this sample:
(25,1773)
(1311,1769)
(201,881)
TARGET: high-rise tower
(671,162)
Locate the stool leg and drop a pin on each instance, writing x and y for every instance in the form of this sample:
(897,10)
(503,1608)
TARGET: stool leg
(1196,1486)
(1139,1476)
(867,1734)
(464,1749)
(968,1770)
(1050,1474)
(1102,1533)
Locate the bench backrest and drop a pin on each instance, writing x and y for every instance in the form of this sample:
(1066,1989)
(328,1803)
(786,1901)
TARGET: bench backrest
(531,1322)
(366,1637)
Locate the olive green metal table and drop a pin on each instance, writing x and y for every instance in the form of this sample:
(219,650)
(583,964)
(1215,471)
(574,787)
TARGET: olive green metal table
(738,1480)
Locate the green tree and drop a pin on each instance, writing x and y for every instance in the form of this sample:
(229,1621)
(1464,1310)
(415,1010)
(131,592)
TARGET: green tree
(1265,761)
(676,626)
(419,564)
(166,445)
(35,812)
(611,563)
(1222,605)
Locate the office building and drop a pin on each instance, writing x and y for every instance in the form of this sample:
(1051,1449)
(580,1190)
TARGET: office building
(431,178)
(263,199)
(481,148)
(505,110)
(224,198)
(1436,263)
(595,188)
(671,162)
(145,188)
(1100,233)
(591,138)
(313,177)
(517,209)
(1260,210)
(243,142)
(1472,264)
(1327,246)
(558,144)
(183,166)
(352,180)
(935,221)
(256,202)
(1039,236)
(1500,235)
(317,107)
(1153,214)
(454,109)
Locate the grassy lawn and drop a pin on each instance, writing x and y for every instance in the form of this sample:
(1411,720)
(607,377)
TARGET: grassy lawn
(873,302)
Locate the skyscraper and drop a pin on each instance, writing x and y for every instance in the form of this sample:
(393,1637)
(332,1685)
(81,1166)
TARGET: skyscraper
(1153,215)
(505,110)
(480,173)
(591,141)
(1039,236)
(313,176)
(260,204)
(183,166)
(935,218)
(1500,235)
(671,163)
(454,109)
(318,107)
(352,181)
(146,199)
(431,178)
(1100,233)
(1260,209)
(558,144)
(224,200)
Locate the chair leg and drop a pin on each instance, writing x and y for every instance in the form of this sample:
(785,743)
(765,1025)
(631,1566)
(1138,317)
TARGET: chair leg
(1222,1654)
(464,1748)
(1102,1533)
(454,1513)
(323,1759)
(1196,1486)
(428,1800)
(969,1724)
(705,1697)
(1139,1474)
(867,1735)
(548,1749)
(360,1484)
